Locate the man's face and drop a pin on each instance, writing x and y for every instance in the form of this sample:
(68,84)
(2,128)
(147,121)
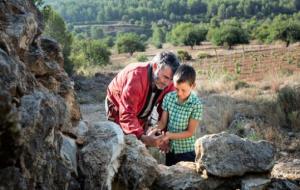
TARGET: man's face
(163,76)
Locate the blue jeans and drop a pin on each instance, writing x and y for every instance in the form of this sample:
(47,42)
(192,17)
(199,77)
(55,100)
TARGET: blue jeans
(172,158)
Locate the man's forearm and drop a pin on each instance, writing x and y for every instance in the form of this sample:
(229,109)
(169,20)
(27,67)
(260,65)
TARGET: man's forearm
(149,140)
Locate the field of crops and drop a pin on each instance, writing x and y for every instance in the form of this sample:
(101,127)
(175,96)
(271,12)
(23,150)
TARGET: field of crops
(252,65)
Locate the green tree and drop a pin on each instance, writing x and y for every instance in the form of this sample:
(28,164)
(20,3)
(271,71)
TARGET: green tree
(109,41)
(222,12)
(228,35)
(188,34)
(196,6)
(55,28)
(129,43)
(158,36)
(89,53)
(96,32)
(285,29)
(262,32)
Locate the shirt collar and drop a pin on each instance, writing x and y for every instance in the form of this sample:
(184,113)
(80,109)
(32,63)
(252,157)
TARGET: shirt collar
(188,101)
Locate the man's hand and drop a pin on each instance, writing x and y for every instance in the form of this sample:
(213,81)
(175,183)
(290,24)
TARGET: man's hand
(153,130)
(153,137)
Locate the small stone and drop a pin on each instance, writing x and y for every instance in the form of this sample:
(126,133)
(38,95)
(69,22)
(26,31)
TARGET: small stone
(283,153)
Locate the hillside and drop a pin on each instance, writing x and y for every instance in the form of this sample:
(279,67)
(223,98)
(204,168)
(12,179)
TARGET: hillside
(174,10)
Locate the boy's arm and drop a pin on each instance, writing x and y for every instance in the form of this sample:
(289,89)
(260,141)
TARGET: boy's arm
(193,123)
(162,123)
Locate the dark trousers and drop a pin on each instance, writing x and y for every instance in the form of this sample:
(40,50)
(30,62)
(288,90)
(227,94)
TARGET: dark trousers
(172,158)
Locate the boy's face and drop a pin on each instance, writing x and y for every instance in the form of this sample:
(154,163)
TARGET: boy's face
(183,90)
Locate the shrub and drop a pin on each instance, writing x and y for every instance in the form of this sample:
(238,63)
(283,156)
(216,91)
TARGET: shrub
(289,101)
(240,85)
(142,58)
(184,55)
(204,55)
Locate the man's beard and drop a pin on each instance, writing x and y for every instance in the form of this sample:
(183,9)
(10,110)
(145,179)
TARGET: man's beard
(159,85)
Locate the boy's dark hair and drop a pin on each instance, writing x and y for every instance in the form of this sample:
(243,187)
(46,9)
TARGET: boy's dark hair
(185,73)
(167,58)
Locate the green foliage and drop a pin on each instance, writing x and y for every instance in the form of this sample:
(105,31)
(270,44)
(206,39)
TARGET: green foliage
(184,55)
(254,137)
(55,28)
(203,56)
(228,34)
(289,101)
(175,10)
(129,43)
(281,27)
(109,41)
(188,34)
(250,26)
(158,36)
(96,32)
(142,58)
(238,68)
(89,53)
(262,33)
(38,3)
(285,29)
(196,7)
(241,84)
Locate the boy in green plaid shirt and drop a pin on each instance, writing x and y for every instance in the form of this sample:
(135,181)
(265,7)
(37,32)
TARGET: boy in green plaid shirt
(182,111)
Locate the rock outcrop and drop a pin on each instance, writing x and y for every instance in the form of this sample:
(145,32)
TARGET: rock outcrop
(37,104)
(227,155)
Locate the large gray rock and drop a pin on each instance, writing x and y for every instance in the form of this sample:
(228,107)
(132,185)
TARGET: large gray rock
(99,157)
(183,176)
(227,155)
(138,168)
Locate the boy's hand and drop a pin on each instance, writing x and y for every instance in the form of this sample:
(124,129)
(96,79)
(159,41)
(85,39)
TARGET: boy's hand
(164,145)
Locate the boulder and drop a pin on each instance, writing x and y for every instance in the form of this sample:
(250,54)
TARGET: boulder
(227,155)
(138,168)
(99,156)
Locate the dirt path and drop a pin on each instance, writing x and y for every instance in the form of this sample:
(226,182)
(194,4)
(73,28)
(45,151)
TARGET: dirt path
(91,92)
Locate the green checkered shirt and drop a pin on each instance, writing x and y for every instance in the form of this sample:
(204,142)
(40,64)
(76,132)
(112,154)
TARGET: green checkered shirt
(179,115)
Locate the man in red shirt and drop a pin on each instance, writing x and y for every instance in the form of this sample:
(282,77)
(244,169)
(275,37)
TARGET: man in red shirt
(134,92)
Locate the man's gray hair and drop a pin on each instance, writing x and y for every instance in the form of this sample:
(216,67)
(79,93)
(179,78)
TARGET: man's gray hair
(167,58)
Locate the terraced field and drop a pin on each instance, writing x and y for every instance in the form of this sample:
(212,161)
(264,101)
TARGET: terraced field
(248,62)
(252,65)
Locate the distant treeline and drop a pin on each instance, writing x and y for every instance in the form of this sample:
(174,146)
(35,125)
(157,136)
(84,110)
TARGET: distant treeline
(74,11)
(189,22)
